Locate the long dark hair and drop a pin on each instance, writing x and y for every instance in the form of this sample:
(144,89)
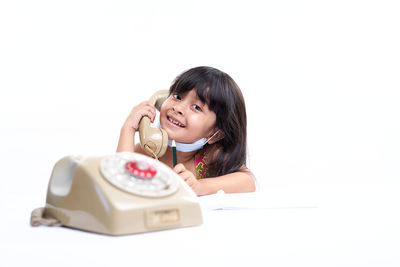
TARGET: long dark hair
(223,96)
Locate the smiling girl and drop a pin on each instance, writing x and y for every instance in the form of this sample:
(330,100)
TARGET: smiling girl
(205,113)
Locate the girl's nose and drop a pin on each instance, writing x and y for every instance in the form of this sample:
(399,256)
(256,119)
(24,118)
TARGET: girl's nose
(179,108)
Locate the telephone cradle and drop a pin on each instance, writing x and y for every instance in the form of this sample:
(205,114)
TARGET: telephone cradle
(119,194)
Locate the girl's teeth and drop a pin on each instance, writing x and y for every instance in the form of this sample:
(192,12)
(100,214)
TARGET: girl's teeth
(175,122)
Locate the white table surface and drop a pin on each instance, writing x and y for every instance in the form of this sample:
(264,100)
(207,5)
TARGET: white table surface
(335,225)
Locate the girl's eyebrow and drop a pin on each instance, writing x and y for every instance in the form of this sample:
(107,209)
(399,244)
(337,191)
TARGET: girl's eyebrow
(197,98)
(204,104)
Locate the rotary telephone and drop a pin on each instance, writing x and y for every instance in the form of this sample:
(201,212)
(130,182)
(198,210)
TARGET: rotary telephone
(154,141)
(123,193)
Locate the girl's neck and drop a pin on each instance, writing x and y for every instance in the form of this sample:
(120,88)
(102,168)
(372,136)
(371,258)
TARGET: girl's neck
(183,157)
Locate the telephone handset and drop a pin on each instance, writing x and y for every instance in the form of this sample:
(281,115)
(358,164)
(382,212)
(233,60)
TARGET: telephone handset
(154,141)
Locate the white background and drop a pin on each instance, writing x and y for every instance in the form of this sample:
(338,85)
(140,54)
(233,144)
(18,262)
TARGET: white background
(320,80)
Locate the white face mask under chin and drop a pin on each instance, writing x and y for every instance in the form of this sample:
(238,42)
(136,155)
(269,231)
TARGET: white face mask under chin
(189,147)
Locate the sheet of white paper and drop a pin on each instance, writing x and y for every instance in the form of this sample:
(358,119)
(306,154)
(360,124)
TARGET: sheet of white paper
(272,199)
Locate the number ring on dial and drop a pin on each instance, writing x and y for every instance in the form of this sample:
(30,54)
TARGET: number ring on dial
(139,174)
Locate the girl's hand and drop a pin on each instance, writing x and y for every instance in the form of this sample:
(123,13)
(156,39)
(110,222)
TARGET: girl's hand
(189,178)
(143,109)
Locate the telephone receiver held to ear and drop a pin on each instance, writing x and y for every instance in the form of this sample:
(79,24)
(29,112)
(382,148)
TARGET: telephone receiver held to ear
(154,141)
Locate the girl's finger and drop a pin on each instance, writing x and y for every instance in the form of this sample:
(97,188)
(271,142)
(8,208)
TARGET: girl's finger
(179,168)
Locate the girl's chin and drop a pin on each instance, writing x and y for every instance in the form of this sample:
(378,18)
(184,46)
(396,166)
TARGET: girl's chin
(178,137)
(172,134)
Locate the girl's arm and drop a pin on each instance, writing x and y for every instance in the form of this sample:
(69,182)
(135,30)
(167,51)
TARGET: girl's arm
(126,141)
(237,182)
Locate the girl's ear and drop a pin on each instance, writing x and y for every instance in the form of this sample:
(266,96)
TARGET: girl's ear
(219,135)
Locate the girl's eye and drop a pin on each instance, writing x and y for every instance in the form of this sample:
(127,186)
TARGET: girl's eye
(196,107)
(176,96)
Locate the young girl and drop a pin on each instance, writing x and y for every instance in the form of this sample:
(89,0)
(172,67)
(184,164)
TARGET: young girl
(205,114)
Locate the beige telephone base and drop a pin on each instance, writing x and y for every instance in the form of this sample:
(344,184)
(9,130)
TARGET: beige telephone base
(120,194)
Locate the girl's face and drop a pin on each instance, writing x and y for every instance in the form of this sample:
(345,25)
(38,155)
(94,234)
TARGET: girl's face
(185,118)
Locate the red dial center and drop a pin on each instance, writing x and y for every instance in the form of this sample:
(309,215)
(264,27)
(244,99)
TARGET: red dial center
(140,169)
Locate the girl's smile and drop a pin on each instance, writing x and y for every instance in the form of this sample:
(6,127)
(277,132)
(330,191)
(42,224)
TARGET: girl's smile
(174,121)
